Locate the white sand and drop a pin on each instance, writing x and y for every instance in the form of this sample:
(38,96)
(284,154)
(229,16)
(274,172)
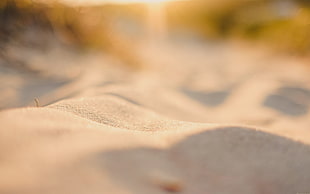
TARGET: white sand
(181,124)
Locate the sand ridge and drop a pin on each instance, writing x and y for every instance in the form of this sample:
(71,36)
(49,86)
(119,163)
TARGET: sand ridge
(63,149)
(189,122)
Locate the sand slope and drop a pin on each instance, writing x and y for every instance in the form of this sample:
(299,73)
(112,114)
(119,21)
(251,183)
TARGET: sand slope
(127,149)
(198,119)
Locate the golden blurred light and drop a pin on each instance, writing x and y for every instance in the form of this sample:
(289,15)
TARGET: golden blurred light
(144,1)
(94,2)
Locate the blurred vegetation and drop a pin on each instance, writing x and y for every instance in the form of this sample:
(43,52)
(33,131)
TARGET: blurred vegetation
(283,24)
(34,23)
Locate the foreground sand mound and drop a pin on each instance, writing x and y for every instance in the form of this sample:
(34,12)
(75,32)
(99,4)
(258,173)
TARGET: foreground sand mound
(104,128)
(109,145)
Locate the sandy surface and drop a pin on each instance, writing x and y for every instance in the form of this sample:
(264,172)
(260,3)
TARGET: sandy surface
(196,118)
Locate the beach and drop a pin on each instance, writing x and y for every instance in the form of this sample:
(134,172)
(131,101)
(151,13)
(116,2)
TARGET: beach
(196,117)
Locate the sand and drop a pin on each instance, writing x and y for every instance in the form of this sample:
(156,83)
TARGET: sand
(220,118)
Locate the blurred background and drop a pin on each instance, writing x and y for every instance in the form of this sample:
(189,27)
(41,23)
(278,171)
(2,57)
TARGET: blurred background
(53,50)
(283,24)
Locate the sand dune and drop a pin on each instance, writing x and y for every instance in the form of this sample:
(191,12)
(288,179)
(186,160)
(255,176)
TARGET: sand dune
(106,145)
(188,122)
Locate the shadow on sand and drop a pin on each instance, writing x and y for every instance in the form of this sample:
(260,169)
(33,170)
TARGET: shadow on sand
(210,99)
(226,160)
(290,101)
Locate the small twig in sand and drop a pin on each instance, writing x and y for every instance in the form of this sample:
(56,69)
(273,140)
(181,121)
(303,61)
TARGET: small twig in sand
(37,102)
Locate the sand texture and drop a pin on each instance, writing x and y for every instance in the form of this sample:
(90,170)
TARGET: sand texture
(197,119)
